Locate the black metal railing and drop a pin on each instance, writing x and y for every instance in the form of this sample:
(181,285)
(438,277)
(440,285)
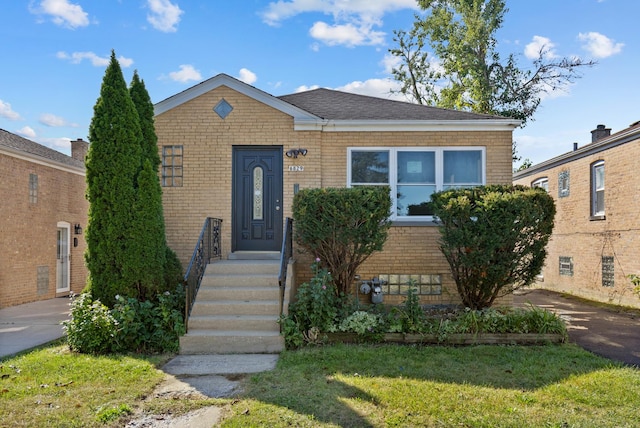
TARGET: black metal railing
(208,247)
(285,254)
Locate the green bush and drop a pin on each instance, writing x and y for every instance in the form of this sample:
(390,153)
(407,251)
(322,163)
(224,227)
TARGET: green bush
(91,328)
(342,227)
(131,326)
(494,238)
(316,309)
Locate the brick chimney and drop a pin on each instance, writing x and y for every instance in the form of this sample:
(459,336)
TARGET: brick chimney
(79,149)
(599,133)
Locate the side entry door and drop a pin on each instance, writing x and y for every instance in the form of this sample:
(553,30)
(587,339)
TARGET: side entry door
(257,198)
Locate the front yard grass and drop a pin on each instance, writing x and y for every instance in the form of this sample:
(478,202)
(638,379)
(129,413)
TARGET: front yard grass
(339,385)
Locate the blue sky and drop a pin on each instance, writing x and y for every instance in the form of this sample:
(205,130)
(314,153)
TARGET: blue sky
(54,54)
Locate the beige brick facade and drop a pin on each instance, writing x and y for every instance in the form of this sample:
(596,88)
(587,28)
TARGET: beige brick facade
(207,184)
(31,220)
(582,242)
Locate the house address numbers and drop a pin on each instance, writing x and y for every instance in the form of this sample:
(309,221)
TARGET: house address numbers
(296,168)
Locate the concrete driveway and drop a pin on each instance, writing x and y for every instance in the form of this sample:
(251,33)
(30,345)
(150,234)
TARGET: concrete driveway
(607,331)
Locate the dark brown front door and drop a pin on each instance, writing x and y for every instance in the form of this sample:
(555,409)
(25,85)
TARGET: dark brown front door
(257,198)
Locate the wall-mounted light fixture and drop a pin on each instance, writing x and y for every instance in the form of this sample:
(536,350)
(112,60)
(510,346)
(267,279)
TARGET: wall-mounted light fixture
(77,229)
(293,153)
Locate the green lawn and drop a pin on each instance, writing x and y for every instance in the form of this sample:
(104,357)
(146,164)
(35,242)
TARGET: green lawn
(341,385)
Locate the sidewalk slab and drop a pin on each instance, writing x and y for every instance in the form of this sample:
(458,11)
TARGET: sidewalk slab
(27,326)
(220,364)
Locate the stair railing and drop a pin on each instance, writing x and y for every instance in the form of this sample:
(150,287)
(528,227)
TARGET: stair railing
(285,254)
(208,247)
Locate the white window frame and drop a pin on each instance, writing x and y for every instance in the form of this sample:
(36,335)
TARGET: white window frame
(542,182)
(393,171)
(595,214)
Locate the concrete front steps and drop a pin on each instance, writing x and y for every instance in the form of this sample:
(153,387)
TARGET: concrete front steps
(237,308)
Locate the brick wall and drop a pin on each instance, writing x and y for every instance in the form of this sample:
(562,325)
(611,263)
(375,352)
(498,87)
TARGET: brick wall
(208,141)
(584,240)
(29,231)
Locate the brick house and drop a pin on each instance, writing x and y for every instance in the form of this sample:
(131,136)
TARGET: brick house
(44,209)
(595,242)
(216,136)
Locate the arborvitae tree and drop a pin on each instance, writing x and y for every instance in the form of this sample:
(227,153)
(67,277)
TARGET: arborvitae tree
(147,246)
(151,191)
(113,161)
(144,106)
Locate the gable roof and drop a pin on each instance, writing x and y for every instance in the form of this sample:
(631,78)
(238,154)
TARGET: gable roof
(336,105)
(627,135)
(245,89)
(18,146)
(331,110)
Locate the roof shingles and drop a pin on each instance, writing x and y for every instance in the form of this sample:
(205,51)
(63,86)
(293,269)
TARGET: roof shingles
(336,105)
(17,143)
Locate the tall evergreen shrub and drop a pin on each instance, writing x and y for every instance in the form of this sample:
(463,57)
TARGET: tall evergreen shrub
(113,161)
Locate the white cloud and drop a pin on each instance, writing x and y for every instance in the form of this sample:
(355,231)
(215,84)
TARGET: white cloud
(381,88)
(389,62)
(305,88)
(164,15)
(26,132)
(599,45)
(354,20)
(186,74)
(56,143)
(96,61)
(346,34)
(281,10)
(539,45)
(49,119)
(63,13)
(7,112)
(247,76)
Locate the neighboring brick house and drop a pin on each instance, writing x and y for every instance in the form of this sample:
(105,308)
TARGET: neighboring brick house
(234,152)
(43,208)
(596,238)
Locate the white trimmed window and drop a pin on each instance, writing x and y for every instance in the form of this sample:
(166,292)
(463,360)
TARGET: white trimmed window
(597,189)
(414,173)
(541,182)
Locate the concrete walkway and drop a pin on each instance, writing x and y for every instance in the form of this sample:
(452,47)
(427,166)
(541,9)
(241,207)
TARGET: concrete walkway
(26,326)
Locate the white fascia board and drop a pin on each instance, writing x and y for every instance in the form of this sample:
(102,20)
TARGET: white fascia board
(238,86)
(409,125)
(41,161)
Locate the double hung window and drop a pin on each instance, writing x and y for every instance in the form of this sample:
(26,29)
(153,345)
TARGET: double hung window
(413,174)
(597,190)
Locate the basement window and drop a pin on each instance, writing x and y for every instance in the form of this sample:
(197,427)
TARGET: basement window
(607,271)
(398,284)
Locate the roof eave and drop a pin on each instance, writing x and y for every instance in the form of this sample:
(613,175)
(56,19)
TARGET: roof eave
(9,151)
(407,125)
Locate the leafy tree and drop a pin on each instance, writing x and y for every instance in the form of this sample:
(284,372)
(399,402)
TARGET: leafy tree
(462,36)
(113,161)
(494,238)
(342,227)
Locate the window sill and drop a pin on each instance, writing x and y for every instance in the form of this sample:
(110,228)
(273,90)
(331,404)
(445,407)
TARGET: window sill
(598,217)
(413,223)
